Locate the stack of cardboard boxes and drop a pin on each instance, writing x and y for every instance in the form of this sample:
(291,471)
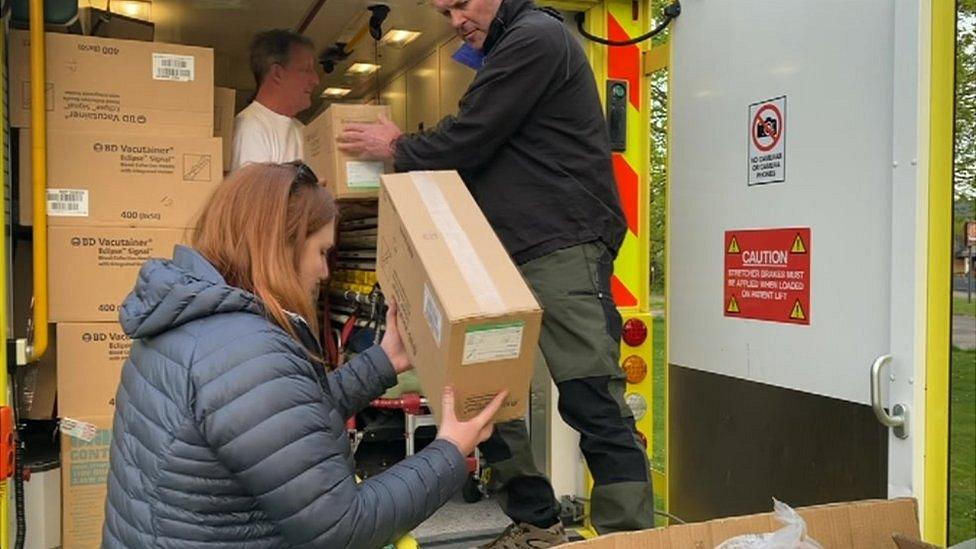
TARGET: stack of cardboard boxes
(132,159)
(354,183)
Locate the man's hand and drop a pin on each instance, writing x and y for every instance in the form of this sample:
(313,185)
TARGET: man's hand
(370,141)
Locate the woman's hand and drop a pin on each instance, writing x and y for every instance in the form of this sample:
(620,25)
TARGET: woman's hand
(468,434)
(392,345)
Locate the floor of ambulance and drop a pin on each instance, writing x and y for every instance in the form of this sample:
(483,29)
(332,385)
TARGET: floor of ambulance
(459,524)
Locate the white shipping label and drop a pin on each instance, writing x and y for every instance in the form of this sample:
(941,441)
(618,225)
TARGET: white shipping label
(173,68)
(363,175)
(492,342)
(433,315)
(67,202)
(78,429)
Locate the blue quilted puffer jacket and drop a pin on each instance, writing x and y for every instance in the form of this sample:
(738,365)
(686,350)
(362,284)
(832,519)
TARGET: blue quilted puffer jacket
(226,435)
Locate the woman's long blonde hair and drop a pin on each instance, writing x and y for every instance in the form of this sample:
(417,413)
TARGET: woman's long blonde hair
(253,231)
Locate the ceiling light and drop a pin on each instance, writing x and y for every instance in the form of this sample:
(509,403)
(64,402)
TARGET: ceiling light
(335,93)
(362,69)
(398,38)
(136,9)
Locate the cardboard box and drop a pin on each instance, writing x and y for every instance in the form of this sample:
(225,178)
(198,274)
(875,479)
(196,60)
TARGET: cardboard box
(90,358)
(106,84)
(467,317)
(904,542)
(84,478)
(99,22)
(347,177)
(123,180)
(870,523)
(92,269)
(225,104)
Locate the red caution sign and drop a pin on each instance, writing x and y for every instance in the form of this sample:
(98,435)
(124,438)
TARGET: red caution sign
(767,275)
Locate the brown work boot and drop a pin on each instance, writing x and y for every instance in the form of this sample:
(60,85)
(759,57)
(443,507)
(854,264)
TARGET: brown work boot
(525,536)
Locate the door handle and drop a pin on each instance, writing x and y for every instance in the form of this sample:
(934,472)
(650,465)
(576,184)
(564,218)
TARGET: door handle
(898,419)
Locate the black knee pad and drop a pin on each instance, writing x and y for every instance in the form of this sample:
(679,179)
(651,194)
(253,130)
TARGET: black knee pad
(608,438)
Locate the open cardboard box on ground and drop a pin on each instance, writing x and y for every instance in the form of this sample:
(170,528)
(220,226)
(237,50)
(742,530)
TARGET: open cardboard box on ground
(855,525)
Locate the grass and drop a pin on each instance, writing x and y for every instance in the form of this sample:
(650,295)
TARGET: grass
(961,307)
(962,447)
(657,302)
(659,368)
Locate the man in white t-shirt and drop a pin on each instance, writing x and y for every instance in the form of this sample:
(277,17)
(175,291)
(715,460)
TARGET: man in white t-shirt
(283,63)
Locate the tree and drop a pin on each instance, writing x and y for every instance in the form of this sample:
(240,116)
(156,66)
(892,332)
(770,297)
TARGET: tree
(965,138)
(964,161)
(658,164)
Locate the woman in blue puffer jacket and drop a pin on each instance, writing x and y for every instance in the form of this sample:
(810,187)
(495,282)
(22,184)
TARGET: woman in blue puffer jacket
(228,431)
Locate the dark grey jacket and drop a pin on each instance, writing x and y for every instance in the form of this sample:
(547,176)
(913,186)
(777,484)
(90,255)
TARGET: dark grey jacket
(227,435)
(530,139)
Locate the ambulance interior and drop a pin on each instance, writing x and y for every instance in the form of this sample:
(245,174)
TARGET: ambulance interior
(825,388)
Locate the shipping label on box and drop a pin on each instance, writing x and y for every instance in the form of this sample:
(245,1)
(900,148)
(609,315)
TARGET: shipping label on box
(90,358)
(467,317)
(347,177)
(92,269)
(111,179)
(85,448)
(116,85)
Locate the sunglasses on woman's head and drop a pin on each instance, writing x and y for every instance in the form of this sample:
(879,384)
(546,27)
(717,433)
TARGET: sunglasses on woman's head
(303,174)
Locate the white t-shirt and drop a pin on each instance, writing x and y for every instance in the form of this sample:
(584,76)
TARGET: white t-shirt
(262,135)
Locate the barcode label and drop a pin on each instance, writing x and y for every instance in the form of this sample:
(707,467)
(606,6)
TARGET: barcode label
(433,314)
(78,429)
(491,342)
(363,175)
(174,68)
(67,202)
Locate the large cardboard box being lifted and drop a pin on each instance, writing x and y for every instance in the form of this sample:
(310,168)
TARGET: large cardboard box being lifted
(92,269)
(467,317)
(116,85)
(855,525)
(123,180)
(347,177)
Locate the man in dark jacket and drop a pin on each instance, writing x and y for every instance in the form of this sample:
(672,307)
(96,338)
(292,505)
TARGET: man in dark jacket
(530,142)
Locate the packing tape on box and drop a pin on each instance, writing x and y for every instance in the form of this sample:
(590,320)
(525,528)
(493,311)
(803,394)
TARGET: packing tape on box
(472,268)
